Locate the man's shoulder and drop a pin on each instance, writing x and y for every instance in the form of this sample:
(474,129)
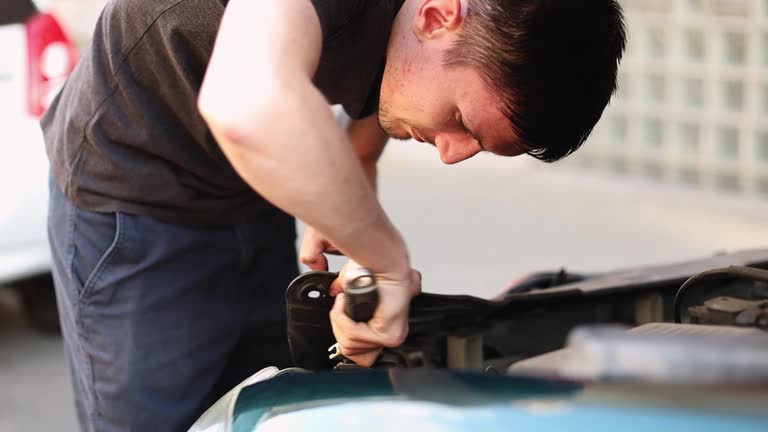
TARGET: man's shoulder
(354,49)
(336,14)
(136,17)
(123,24)
(155,8)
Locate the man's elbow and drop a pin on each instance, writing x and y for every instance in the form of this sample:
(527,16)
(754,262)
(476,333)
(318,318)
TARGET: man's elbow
(231,114)
(254,113)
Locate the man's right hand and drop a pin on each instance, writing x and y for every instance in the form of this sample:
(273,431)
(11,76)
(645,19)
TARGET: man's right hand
(313,249)
(362,342)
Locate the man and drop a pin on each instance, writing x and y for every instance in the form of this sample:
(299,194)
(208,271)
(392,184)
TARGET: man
(191,130)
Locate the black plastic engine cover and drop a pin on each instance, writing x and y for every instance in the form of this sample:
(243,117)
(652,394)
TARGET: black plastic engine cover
(512,320)
(431,316)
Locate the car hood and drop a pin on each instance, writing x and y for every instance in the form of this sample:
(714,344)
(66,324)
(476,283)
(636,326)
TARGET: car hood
(439,400)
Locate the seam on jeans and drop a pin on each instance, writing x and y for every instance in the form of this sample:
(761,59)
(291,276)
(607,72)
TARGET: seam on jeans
(69,247)
(90,283)
(87,360)
(95,408)
(79,352)
(83,339)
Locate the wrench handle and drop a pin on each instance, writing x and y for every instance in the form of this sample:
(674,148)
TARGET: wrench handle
(361,297)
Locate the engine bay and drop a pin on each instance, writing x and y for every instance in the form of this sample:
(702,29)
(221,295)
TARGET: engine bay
(640,323)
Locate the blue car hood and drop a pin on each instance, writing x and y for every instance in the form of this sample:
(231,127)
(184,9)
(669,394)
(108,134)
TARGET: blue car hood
(432,400)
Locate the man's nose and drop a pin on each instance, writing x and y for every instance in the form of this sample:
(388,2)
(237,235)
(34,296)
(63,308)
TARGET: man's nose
(456,148)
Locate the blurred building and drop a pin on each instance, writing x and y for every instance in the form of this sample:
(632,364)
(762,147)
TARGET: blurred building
(692,105)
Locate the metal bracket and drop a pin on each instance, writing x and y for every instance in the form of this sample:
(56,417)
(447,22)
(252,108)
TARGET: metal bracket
(649,308)
(465,352)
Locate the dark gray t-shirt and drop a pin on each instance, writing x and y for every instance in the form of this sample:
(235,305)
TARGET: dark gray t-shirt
(125,134)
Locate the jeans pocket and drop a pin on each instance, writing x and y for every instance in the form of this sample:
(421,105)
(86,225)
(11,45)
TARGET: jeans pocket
(97,239)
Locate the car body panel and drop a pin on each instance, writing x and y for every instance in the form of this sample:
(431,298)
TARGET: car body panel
(23,201)
(390,416)
(24,250)
(13,70)
(428,399)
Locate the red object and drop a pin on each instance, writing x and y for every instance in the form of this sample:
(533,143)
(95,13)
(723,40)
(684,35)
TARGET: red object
(44,35)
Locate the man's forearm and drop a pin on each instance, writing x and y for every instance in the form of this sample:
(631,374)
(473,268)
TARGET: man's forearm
(306,169)
(372,173)
(369,141)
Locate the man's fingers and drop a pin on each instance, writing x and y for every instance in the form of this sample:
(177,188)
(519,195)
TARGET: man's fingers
(362,342)
(336,287)
(356,348)
(347,331)
(366,359)
(359,351)
(331,249)
(311,251)
(317,262)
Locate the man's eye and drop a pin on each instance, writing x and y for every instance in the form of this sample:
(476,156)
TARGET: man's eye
(460,120)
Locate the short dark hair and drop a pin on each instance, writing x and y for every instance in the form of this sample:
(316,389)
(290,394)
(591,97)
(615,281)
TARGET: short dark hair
(553,61)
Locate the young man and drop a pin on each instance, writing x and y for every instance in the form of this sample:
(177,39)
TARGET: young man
(192,129)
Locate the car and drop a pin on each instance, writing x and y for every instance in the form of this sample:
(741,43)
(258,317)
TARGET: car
(36,57)
(674,346)
(453,401)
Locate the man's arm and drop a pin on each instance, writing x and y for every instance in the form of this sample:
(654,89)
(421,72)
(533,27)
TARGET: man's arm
(368,141)
(276,129)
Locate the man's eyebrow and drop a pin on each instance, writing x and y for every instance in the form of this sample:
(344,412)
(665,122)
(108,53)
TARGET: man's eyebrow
(507,148)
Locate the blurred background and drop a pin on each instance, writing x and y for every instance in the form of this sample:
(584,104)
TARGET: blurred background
(677,169)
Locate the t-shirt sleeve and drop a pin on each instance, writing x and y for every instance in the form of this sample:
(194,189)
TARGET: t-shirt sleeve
(334,14)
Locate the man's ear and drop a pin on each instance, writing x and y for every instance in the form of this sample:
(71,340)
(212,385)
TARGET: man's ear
(435,18)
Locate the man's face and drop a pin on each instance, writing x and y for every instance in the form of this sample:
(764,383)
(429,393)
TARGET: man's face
(451,108)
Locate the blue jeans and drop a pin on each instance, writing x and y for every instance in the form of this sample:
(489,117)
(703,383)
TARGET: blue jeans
(160,320)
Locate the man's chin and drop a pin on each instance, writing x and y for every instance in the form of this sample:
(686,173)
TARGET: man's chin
(400,137)
(388,127)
